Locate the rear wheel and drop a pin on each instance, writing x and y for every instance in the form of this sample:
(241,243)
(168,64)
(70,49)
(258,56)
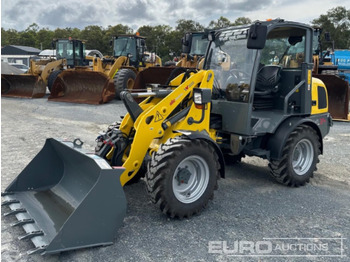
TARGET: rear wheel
(182,176)
(299,159)
(124,79)
(51,79)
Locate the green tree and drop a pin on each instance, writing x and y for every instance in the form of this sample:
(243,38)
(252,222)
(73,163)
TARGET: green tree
(174,43)
(220,23)
(29,36)
(242,21)
(337,23)
(66,33)
(45,37)
(9,37)
(184,26)
(156,39)
(94,36)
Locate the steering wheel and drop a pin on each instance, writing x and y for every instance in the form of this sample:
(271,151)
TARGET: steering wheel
(239,74)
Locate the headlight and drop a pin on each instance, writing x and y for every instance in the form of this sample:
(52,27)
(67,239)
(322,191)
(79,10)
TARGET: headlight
(197,97)
(201,96)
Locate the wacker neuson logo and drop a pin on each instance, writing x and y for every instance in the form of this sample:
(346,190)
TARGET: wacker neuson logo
(280,247)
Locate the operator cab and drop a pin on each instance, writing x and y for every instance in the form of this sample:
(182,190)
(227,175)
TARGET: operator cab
(262,79)
(72,50)
(131,47)
(194,44)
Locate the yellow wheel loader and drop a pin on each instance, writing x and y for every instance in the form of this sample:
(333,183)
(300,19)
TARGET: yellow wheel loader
(244,102)
(32,84)
(108,76)
(194,46)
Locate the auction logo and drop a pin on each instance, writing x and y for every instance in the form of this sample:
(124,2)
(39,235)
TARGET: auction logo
(280,247)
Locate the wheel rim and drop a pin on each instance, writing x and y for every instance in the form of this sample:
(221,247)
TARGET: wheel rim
(190,180)
(303,155)
(130,83)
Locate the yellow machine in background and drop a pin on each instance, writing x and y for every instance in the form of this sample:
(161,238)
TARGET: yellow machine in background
(194,47)
(108,76)
(69,53)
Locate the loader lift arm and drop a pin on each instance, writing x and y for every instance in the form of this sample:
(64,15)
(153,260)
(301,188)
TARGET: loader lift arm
(148,124)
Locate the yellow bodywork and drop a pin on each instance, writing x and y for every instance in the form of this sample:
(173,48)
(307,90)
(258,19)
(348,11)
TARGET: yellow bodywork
(43,68)
(195,62)
(110,69)
(316,83)
(149,133)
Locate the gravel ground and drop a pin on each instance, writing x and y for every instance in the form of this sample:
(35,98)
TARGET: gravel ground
(248,206)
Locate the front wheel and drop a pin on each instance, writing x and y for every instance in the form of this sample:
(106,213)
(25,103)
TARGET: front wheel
(182,176)
(51,79)
(124,79)
(299,159)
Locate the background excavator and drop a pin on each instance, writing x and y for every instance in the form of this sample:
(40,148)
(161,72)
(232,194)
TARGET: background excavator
(108,76)
(32,84)
(246,101)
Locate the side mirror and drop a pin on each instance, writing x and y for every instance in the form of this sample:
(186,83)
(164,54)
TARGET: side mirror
(143,43)
(211,36)
(53,44)
(184,42)
(327,36)
(186,46)
(111,43)
(257,36)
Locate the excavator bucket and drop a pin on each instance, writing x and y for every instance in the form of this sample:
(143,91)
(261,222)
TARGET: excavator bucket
(338,96)
(27,86)
(82,86)
(66,199)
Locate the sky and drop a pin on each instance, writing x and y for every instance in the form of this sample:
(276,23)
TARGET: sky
(19,14)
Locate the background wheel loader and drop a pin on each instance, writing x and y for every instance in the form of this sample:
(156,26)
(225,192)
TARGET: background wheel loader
(194,46)
(246,101)
(108,76)
(69,53)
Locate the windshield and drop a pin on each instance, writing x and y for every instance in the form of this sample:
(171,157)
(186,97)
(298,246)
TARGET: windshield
(124,46)
(198,45)
(284,47)
(232,63)
(64,49)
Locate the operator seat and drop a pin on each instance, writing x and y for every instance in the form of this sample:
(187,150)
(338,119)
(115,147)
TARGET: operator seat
(266,86)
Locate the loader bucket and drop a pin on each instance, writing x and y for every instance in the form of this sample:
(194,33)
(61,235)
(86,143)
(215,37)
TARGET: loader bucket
(27,86)
(66,199)
(155,76)
(82,86)
(338,96)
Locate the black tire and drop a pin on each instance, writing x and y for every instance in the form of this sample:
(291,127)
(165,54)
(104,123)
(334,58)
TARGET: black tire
(123,80)
(233,159)
(51,79)
(166,177)
(299,159)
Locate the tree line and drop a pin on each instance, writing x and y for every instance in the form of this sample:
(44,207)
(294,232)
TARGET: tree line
(162,39)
